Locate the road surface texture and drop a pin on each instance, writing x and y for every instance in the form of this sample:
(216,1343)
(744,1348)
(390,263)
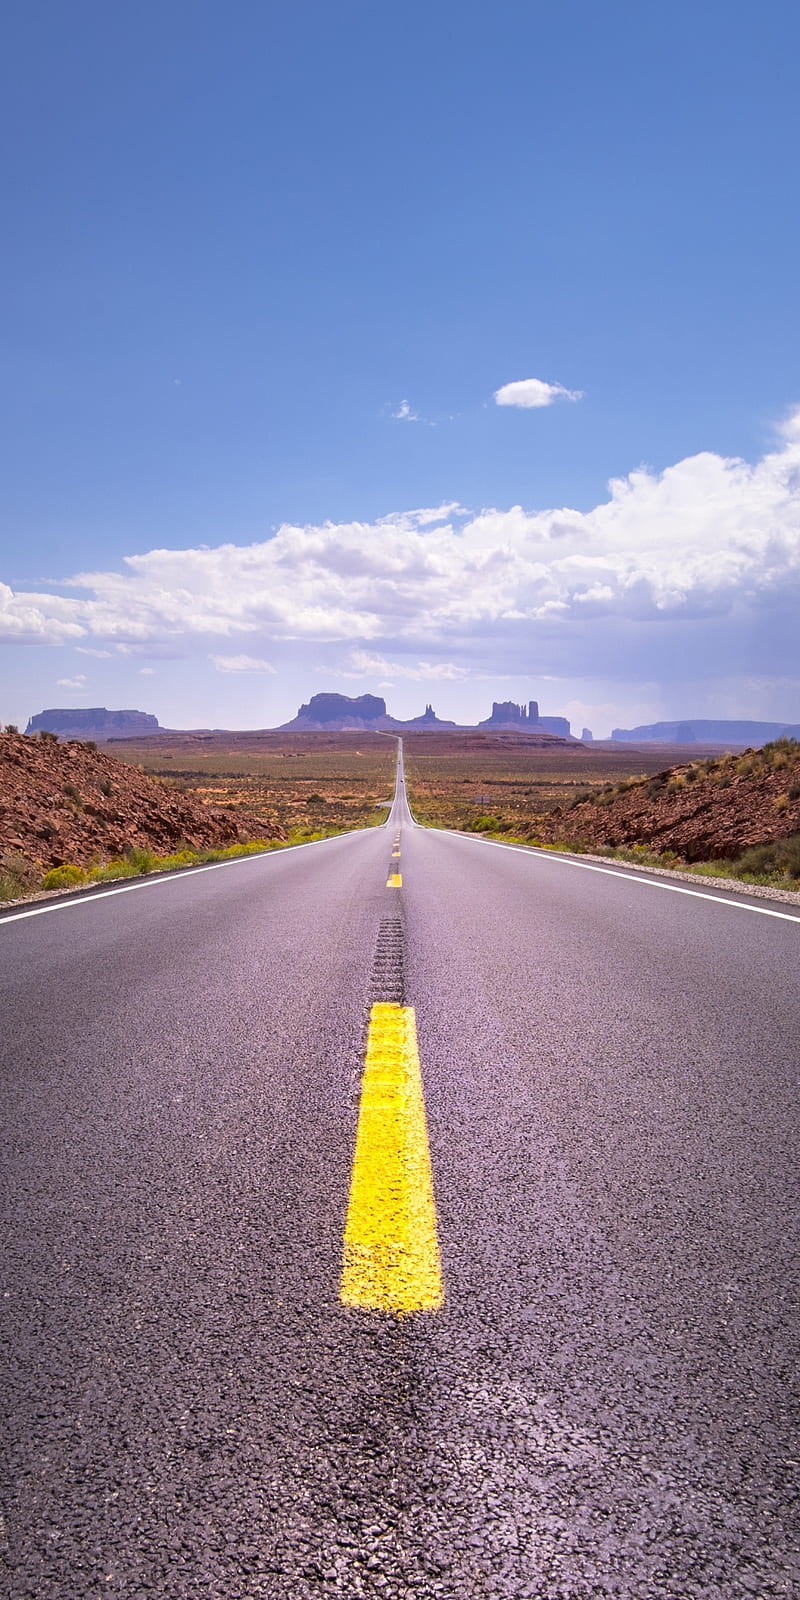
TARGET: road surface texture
(605,1402)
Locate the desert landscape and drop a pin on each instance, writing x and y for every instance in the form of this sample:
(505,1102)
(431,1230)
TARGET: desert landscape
(71,812)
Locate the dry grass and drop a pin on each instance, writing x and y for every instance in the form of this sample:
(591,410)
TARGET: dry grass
(303,781)
(456,783)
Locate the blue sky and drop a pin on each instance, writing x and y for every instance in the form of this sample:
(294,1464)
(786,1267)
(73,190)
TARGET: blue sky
(267,270)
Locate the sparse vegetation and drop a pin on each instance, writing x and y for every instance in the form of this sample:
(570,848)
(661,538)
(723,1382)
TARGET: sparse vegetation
(19,879)
(702,806)
(297,781)
(65,877)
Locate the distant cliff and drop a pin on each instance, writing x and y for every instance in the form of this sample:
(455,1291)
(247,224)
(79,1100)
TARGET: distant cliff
(329,713)
(690,731)
(508,716)
(94,722)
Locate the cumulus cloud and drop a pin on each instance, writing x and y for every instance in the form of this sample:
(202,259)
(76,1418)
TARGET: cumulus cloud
(369,664)
(78,682)
(241,664)
(533,393)
(37,619)
(696,564)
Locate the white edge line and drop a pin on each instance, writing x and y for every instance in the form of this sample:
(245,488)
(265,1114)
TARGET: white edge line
(154,881)
(617,872)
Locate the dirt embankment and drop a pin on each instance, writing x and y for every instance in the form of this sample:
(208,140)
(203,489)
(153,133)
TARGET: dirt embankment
(702,811)
(71,803)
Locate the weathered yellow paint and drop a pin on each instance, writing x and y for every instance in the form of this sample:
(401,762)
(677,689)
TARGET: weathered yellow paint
(394,880)
(391,1250)
(395,855)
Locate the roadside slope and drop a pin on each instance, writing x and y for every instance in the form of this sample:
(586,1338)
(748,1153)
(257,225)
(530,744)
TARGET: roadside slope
(72,803)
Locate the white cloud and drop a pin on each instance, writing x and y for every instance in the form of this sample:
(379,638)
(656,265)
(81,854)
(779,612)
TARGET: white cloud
(696,567)
(369,664)
(404,413)
(37,619)
(78,682)
(102,655)
(533,393)
(147,672)
(241,664)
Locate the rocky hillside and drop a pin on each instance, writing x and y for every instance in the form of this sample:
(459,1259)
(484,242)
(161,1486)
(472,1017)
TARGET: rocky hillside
(709,810)
(71,803)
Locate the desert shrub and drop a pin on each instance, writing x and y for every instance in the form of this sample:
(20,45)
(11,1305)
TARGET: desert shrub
(779,751)
(117,868)
(11,727)
(642,855)
(781,802)
(64,877)
(106,787)
(17,876)
(486,824)
(141,860)
(794,791)
(47,737)
(179,858)
(315,800)
(787,852)
(759,858)
(73,794)
(19,870)
(678,781)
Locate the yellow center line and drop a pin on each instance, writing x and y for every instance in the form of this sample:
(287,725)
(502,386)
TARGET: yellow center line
(391,1250)
(394,880)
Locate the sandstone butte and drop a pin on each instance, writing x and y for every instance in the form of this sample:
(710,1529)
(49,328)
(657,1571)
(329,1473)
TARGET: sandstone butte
(70,803)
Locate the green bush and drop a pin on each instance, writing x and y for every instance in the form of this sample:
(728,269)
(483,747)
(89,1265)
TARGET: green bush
(142,860)
(17,876)
(64,877)
(787,853)
(759,858)
(117,868)
(180,858)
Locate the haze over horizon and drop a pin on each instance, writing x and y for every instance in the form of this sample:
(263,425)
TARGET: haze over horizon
(447,357)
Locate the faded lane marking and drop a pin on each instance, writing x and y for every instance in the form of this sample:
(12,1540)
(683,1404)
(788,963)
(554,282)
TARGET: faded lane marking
(391,1250)
(394,880)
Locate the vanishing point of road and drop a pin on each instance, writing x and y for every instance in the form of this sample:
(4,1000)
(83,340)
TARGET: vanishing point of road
(405,1216)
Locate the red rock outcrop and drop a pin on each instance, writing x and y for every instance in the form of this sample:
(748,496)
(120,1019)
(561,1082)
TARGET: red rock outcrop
(703,811)
(70,803)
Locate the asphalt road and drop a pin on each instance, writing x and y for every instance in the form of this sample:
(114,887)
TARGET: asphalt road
(605,1404)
